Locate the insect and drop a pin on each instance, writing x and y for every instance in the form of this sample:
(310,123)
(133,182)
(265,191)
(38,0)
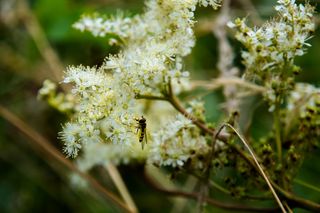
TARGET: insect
(141,127)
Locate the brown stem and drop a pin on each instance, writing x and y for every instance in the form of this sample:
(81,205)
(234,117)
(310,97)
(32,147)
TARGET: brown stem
(292,199)
(178,106)
(45,146)
(223,81)
(263,174)
(210,201)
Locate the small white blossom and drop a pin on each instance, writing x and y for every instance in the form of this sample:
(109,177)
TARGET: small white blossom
(276,43)
(63,102)
(48,88)
(70,136)
(213,3)
(272,48)
(303,96)
(176,143)
(100,27)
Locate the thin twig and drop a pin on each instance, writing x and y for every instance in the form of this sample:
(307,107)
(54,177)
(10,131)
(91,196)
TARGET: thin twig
(307,185)
(219,82)
(225,59)
(228,192)
(156,174)
(118,181)
(259,167)
(45,145)
(210,201)
(180,205)
(293,199)
(278,133)
(34,29)
(177,105)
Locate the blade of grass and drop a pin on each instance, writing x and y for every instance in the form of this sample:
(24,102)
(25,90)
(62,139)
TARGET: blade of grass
(118,181)
(258,165)
(307,185)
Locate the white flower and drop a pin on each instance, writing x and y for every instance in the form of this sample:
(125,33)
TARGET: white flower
(176,143)
(213,3)
(153,45)
(70,136)
(48,88)
(272,48)
(277,42)
(303,96)
(100,27)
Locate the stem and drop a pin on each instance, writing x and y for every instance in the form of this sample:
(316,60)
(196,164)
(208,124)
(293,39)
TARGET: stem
(201,197)
(178,106)
(45,49)
(226,191)
(220,188)
(259,167)
(278,133)
(121,186)
(210,201)
(302,183)
(151,97)
(294,200)
(222,81)
(45,146)
(180,204)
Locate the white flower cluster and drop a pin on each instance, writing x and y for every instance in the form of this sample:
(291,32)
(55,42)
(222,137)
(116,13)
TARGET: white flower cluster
(103,113)
(98,26)
(302,97)
(213,3)
(153,45)
(177,143)
(273,46)
(63,102)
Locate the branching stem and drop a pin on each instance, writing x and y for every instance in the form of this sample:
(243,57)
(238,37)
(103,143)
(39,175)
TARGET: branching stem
(293,200)
(259,167)
(278,133)
(210,201)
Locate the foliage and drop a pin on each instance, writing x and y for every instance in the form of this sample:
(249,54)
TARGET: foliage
(146,75)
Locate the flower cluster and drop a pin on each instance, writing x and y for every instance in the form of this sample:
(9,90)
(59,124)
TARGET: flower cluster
(276,43)
(118,25)
(65,103)
(177,143)
(101,154)
(152,47)
(114,117)
(213,3)
(305,98)
(271,48)
(301,125)
(103,114)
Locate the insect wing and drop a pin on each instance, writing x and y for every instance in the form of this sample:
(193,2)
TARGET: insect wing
(144,139)
(145,136)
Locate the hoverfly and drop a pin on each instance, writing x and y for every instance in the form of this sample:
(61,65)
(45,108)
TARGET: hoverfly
(141,127)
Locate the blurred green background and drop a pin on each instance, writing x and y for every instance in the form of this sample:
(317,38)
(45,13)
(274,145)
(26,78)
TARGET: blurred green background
(28,183)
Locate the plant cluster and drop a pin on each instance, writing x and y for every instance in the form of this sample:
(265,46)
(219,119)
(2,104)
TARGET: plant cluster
(146,78)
